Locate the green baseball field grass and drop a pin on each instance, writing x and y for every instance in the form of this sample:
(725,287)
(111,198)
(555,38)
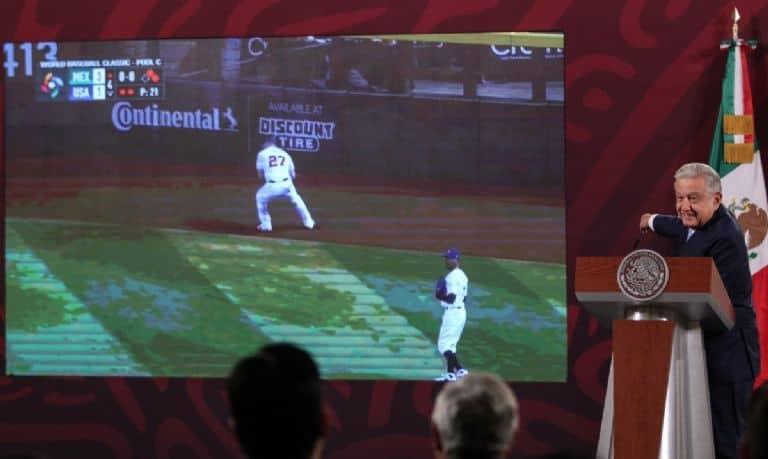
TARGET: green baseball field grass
(113,298)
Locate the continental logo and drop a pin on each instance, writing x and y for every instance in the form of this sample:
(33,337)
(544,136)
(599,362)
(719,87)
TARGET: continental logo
(126,117)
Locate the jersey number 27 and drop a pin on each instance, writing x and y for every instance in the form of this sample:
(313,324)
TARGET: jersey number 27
(273,160)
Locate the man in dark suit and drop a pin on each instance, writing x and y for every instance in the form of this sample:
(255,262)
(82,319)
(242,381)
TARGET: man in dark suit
(703,227)
(754,444)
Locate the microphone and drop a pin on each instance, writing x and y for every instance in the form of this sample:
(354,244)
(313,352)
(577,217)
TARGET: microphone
(637,241)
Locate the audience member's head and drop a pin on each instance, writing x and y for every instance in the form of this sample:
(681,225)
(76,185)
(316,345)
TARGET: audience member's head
(475,417)
(276,403)
(754,443)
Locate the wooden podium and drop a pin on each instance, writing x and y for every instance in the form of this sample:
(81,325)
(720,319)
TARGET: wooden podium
(657,399)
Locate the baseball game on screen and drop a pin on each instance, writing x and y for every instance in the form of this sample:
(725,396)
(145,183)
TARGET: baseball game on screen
(393,204)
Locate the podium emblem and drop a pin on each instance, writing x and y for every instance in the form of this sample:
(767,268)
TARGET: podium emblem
(643,275)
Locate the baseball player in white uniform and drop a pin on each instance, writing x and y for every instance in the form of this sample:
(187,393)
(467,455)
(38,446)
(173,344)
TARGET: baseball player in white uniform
(451,290)
(275,167)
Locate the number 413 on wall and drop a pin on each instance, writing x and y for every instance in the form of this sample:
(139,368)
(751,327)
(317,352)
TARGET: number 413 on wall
(25,52)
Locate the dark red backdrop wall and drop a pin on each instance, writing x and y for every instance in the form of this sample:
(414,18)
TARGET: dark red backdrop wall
(642,88)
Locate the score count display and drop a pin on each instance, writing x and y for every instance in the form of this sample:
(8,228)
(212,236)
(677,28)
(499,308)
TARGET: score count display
(83,84)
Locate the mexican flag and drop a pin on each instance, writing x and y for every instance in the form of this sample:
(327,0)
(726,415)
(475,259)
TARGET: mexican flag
(736,156)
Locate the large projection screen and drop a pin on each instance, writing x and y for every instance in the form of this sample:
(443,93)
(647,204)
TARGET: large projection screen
(137,201)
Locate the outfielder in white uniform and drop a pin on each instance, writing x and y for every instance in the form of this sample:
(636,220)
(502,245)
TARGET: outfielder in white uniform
(451,290)
(275,167)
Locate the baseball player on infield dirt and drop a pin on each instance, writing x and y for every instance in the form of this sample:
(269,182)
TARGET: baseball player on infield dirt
(275,167)
(451,290)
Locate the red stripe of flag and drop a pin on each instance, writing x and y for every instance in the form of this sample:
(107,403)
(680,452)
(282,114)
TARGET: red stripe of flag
(760,304)
(747,89)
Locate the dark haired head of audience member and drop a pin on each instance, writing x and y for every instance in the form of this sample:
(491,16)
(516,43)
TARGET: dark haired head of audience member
(475,417)
(276,404)
(754,443)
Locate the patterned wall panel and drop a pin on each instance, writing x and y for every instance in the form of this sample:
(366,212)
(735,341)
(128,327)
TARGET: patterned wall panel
(642,87)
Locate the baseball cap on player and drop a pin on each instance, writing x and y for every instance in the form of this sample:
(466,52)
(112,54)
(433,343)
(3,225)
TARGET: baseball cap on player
(451,254)
(270,140)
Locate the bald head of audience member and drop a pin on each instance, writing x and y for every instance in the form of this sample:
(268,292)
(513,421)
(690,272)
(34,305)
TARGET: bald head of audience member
(475,417)
(276,404)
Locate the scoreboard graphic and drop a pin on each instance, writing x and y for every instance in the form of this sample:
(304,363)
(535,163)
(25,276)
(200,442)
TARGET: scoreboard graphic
(106,80)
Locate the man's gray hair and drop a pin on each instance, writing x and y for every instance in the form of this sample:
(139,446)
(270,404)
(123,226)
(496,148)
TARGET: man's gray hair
(693,170)
(476,416)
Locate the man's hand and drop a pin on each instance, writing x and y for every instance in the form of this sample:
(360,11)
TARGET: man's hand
(645,223)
